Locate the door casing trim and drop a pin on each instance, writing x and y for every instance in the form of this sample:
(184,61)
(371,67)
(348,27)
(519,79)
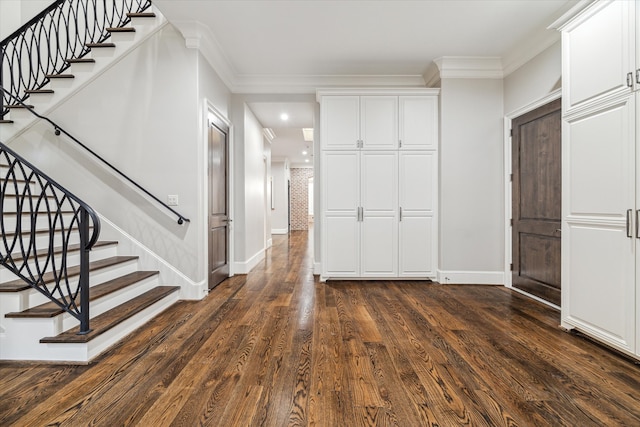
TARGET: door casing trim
(210,110)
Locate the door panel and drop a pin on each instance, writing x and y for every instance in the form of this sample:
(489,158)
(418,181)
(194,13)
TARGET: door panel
(341,250)
(379,126)
(379,183)
(218,213)
(418,122)
(379,247)
(340,122)
(537,202)
(416,246)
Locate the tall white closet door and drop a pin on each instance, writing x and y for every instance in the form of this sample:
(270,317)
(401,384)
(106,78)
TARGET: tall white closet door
(599,53)
(379,122)
(599,226)
(418,122)
(340,200)
(379,201)
(340,122)
(417,198)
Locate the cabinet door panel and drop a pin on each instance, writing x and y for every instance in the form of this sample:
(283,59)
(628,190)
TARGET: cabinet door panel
(379,122)
(600,283)
(379,247)
(599,52)
(599,163)
(341,251)
(341,174)
(379,183)
(417,182)
(418,122)
(340,122)
(416,247)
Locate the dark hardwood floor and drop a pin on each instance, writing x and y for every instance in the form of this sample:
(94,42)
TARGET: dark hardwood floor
(276,348)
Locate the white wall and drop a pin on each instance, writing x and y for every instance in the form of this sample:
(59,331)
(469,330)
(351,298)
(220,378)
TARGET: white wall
(249,208)
(471,181)
(144,115)
(14,13)
(534,80)
(267,190)
(280,213)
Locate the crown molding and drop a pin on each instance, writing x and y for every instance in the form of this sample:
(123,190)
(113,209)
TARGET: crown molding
(576,10)
(470,67)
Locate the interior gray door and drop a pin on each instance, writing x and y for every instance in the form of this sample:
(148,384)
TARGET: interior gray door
(218,213)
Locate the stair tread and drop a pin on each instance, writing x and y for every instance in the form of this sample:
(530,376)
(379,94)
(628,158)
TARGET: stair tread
(51,309)
(6,121)
(109,319)
(121,30)
(19,284)
(20,106)
(60,76)
(80,60)
(100,45)
(33,91)
(70,248)
(141,15)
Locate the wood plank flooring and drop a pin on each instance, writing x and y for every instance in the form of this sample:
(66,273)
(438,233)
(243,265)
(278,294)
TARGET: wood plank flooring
(276,348)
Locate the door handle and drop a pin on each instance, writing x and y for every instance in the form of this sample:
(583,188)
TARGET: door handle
(629,223)
(630,79)
(638,76)
(400,213)
(637,223)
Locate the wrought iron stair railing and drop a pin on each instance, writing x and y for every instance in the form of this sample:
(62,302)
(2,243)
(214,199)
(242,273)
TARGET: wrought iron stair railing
(44,45)
(29,200)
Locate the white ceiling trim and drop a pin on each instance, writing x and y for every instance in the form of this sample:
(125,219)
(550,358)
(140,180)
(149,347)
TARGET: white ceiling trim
(470,67)
(199,36)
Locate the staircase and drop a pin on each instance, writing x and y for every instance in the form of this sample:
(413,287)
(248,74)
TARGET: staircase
(123,295)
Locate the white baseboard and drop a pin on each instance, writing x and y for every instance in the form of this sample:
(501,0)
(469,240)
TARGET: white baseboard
(279,231)
(317,268)
(471,277)
(269,243)
(244,267)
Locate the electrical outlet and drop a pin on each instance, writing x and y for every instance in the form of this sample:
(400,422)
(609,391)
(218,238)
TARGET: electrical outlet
(172,200)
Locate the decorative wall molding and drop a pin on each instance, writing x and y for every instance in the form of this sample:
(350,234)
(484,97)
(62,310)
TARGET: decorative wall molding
(470,67)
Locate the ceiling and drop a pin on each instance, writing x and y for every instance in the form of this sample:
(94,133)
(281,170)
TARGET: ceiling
(296,46)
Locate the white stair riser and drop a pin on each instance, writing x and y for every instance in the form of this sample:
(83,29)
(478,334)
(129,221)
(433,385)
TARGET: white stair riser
(41,220)
(77,68)
(73,258)
(59,84)
(30,348)
(122,37)
(12,187)
(26,342)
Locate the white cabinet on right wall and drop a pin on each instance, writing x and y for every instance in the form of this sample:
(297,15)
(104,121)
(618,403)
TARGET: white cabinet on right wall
(600,191)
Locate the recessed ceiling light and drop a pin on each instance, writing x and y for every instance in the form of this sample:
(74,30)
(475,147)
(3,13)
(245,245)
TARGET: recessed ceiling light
(304,153)
(306,160)
(284,116)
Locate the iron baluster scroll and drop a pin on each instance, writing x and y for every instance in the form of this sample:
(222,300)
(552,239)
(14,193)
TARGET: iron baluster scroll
(43,46)
(41,223)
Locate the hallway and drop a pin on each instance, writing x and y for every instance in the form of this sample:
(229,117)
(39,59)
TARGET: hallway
(276,348)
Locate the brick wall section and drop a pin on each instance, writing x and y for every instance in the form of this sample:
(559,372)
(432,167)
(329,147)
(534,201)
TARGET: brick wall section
(300,198)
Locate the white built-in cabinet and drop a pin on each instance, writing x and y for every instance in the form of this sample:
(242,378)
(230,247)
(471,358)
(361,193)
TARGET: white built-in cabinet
(379,170)
(601,170)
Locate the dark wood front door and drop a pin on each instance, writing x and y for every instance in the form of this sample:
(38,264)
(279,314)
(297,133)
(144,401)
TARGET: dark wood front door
(218,213)
(536,165)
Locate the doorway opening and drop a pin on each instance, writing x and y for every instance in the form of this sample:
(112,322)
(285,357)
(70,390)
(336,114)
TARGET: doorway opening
(536,161)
